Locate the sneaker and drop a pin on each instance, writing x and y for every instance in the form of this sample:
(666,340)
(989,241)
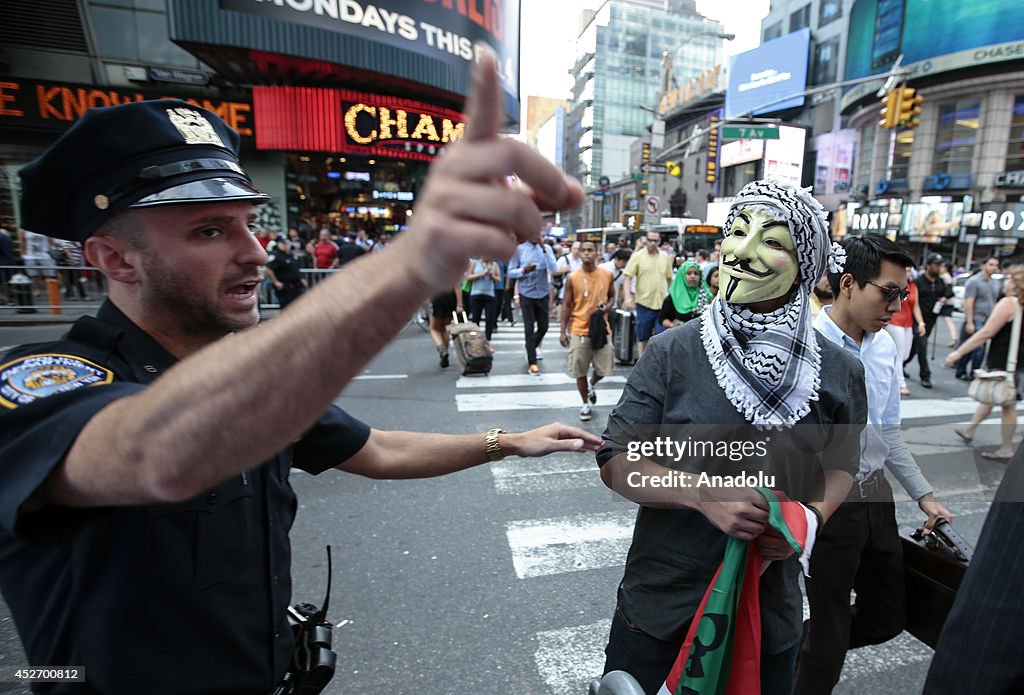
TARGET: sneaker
(592,394)
(534,370)
(444,360)
(540,355)
(585,412)
(904,391)
(926,382)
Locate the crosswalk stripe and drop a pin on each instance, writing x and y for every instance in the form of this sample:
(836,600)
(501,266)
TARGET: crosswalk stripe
(529,400)
(548,474)
(569,658)
(543,547)
(514,380)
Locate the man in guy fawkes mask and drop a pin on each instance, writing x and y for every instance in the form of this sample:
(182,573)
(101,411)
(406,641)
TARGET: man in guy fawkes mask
(750,371)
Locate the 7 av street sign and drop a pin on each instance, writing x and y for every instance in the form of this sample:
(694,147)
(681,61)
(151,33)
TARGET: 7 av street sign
(748,132)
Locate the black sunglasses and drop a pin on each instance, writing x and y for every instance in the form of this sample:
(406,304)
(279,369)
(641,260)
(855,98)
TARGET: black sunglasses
(892,293)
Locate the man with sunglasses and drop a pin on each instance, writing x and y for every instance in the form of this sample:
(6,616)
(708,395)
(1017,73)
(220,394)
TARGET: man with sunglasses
(860,548)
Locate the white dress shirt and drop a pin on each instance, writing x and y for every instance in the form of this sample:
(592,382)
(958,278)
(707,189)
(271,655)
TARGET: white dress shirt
(882,442)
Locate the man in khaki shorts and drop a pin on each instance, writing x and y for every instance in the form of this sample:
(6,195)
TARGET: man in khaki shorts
(588,289)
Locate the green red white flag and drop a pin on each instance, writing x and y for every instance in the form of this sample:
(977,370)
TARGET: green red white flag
(721,654)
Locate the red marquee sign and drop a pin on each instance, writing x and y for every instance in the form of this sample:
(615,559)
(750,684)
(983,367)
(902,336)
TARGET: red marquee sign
(335,120)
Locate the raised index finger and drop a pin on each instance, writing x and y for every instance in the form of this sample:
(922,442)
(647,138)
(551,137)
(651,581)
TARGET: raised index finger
(484,113)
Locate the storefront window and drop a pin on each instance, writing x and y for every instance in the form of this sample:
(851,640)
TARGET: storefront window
(1015,147)
(956,135)
(351,192)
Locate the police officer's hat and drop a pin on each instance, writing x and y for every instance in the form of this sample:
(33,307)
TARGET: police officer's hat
(141,154)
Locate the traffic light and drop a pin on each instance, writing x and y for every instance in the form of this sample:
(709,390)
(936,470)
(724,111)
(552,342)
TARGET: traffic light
(890,109)
(673,169)
(909,108)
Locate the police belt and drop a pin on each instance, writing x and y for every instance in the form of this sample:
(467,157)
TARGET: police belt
(869,487)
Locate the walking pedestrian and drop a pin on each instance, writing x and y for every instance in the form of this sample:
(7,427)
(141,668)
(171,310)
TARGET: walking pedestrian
(530,268)
(980,295)
(859,550)
(483,275)
(589,292)
(997,329)
(648,275)
(932,295)
(443,308)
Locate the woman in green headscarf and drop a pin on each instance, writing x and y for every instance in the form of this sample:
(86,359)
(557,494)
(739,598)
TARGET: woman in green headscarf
(686,297)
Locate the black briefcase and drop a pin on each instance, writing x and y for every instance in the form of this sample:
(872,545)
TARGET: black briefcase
(933,567)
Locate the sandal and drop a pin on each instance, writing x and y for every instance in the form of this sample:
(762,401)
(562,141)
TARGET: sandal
(967,440)
(993,456)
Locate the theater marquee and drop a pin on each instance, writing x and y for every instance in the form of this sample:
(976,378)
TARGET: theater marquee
(334,120)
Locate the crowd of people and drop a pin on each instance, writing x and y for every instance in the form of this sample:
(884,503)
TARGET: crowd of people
(138,471)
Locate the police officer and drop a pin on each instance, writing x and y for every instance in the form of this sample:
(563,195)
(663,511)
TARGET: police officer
(144,502)
(283,269)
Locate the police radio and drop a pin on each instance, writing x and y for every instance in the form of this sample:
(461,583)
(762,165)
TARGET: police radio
(312,665)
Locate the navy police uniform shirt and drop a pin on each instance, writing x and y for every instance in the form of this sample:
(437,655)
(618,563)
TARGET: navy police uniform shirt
(188,597)
(286,268)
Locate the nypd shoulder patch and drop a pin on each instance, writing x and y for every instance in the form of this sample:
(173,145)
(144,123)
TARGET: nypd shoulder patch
(29,378)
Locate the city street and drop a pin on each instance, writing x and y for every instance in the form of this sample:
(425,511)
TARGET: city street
(501,579)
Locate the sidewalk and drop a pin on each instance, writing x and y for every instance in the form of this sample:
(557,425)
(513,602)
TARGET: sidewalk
(44,316)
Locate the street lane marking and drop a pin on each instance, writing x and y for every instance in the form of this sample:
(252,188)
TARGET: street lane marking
(543,547)
(380,376)
(914,409)
(548,474)
(545,379)
(569,658)
(530,400)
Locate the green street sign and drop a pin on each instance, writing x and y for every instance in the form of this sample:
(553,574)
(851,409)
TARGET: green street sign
(636,177)
(748,132)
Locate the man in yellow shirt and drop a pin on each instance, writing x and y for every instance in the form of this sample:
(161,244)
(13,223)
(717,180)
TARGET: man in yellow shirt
(588,289)
(651,271)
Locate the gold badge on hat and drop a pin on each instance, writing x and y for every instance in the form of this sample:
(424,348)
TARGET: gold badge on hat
(194,127)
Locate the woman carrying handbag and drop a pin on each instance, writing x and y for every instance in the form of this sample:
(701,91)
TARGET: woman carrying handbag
(1004,354)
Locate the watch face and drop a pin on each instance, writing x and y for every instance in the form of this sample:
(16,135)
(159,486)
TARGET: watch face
(758,259)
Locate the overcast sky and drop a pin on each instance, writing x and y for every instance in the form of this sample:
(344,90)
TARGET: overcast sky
(549,26)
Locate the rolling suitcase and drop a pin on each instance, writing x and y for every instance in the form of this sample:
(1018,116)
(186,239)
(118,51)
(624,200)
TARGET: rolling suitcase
(624,336)
(472,351)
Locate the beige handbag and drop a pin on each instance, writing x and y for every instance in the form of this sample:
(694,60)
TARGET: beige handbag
(997,387)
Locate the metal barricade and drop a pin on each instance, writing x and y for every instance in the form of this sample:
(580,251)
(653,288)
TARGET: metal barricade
(43,286)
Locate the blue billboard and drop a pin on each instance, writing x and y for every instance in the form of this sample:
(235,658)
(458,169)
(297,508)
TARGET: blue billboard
(932,35)
(771,77)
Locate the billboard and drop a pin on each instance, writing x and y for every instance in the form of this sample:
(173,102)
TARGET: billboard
(834,165)
(428,42)
(784,158)
(769,78)
(930,223)
(933,36)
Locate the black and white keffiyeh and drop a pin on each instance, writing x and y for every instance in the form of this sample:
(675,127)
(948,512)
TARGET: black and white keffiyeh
(769,365)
